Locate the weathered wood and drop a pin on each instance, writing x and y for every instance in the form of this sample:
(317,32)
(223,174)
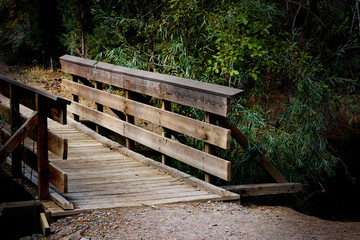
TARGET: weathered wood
(176,81)
(56,109)
(198,159)
(165,105)
(133,185)
(75,97)
(99,107)
(19,136)
(56,144)
(242,140)
(265,189)
(42,150)
(209,118)
(57,198)
(44,225)
(19,208)
(200,130)
(58,178)
(14,125)
(129,119)
(210,97)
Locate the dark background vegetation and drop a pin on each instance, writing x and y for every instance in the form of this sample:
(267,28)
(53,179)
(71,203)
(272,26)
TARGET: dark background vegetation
(297,60)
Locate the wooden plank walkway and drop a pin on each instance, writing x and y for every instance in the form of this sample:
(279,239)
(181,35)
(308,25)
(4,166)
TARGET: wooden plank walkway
(100,177)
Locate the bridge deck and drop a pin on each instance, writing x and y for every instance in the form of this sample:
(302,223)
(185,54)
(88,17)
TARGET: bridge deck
(100,177)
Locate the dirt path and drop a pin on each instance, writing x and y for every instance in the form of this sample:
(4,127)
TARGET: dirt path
(211,220)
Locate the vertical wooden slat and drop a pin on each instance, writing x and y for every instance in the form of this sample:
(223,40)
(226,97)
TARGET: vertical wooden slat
(42,150)
(165,105)
(15,123)
(75,97)
(99,107)
(129,119)
(209,118)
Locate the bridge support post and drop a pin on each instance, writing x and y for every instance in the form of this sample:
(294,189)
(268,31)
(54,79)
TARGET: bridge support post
(15,123)
(75,97)
(166,105)
(99,107)
(42,150)
(129,119)
(209,118)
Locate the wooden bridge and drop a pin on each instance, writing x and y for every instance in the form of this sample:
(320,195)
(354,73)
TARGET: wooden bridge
(85,170)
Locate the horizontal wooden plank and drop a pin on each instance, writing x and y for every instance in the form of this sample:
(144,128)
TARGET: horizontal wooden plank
(56,144)
(134,191)
(7,80)
(58,178)
(124,185)
(156,77)
(138,197)
(198,159)
(200,130)
(20,208)
(209,97)
(56,107)
(265,189)
(178,175)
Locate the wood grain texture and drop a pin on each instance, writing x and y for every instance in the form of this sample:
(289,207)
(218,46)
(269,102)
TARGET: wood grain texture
(56,144)
(56,107)
(15,124)
(113,176)
(44,225)
(156,77)
(265,189)
(42,150)
(16,139)
(209,97)
(58,177)
(200,130)
(198,159)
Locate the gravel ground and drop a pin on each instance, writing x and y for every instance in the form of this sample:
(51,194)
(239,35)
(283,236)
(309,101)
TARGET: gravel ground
(211,220)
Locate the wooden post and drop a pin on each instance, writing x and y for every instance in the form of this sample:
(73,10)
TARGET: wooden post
(15,123)
(129,119)
(209,118)
(99,107)
(42,150)
(165,105)
(75,97)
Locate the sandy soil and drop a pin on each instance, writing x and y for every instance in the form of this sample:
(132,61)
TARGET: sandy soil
(211,220)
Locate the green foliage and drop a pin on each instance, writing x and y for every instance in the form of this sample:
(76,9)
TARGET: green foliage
(243,44)
(297,62)
(29,29)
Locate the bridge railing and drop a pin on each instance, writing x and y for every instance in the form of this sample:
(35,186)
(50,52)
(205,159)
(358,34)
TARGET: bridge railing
(44,105)
(213,99)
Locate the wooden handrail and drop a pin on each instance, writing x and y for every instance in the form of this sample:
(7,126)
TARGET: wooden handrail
(205,96)
(214,99)
(45,105)
(213,89)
